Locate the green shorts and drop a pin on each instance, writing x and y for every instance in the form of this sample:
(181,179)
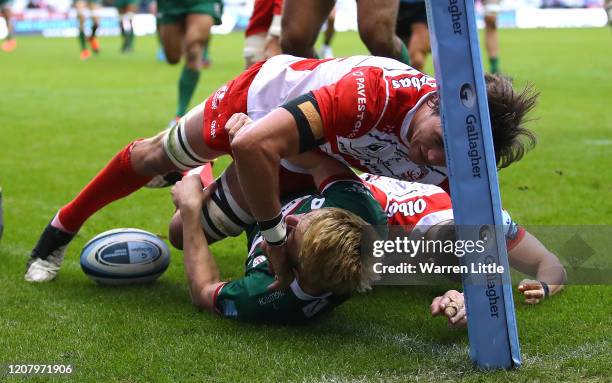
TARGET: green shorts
(125,3)
(174,11)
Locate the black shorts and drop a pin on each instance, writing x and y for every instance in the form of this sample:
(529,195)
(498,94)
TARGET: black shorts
(408,14)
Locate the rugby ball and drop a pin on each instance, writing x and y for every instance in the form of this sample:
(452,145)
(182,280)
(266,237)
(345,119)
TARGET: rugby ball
(125,256)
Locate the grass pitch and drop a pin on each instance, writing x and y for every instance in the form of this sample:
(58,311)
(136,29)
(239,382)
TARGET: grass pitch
(60,121)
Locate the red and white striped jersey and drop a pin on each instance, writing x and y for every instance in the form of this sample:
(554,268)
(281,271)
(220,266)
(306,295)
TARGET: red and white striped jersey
(366,105)
(416,206)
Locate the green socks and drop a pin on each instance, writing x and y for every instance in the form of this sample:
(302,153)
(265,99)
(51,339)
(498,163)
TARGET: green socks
(82,40)
(404,56)
(494,64)
(186,86)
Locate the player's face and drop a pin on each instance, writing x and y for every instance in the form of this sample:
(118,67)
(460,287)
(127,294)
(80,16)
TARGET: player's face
(425,140)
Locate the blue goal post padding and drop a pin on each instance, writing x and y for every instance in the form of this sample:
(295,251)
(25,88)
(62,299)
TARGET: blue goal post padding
(474,188)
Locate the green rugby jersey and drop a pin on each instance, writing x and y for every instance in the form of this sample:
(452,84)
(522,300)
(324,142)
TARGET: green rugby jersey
(248,298)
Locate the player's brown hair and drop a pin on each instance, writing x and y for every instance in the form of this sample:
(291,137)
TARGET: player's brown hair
(331,255)
(508,109)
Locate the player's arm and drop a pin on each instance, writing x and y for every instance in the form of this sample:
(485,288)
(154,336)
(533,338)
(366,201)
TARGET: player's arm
(258,149)
(531,257)
(200,267)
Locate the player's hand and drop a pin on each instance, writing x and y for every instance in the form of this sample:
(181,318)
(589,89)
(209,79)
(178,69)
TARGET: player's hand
(188,195)
(532,290)
(279,265)
(452,306)
(235,123)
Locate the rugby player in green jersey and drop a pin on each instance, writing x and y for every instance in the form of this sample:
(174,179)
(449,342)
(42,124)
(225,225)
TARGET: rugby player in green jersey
(184,28)
(326,228)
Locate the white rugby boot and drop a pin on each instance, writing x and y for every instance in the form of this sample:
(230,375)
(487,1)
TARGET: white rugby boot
(47,256)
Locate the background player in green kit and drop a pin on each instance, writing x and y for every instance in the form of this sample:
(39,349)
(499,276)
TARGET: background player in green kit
(127,9)
(184,26)
(9,42)
(82,7)
(324,248)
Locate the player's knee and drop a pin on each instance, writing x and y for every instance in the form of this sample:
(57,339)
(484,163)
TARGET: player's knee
(294,41)
(222,215)
(175,231)
(149,158)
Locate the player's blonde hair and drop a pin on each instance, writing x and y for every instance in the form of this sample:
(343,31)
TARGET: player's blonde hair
(331,254)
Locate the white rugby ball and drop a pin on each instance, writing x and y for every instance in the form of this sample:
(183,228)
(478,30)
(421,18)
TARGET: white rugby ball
(125,256)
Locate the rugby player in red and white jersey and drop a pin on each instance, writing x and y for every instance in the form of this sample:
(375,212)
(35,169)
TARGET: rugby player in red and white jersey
(262,34)
(372,113)
(416,208)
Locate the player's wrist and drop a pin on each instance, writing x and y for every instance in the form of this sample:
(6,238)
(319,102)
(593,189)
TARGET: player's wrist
(274,230)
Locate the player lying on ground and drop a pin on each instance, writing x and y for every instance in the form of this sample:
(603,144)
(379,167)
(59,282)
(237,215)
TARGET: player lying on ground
(419,209)
(372,113)
(324,248)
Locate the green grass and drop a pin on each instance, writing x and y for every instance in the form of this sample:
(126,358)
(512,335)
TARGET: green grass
(62,119)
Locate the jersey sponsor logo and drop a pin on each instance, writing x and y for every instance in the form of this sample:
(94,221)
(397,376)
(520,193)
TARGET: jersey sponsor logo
(218,97)
(362,103)
(213,129)
(269,298)
(416,82)
(407,208)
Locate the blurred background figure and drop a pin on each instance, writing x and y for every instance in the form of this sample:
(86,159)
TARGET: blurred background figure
(127,9)
(302,21)
(263,32)
(491,8)
(608,6)
(9,43)
(412,29)
(326,51)
(184,29)
(83,9)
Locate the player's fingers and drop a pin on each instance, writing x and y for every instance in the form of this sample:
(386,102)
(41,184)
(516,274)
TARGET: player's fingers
(435,306)
(534,294)
(532,301)
(458,316)
(444,302)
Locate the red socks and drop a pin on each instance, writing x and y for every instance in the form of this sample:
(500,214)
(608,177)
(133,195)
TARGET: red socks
(115,181)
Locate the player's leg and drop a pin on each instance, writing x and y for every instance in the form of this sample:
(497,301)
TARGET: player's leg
(418,47)
(376,20)
(126,25)
(301,23)
(9,43)
(328,35)
(206,53)
(491,8)
(608,7)
(197,31)
(180,148)
(225,215)
(94,8)
(80,7)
